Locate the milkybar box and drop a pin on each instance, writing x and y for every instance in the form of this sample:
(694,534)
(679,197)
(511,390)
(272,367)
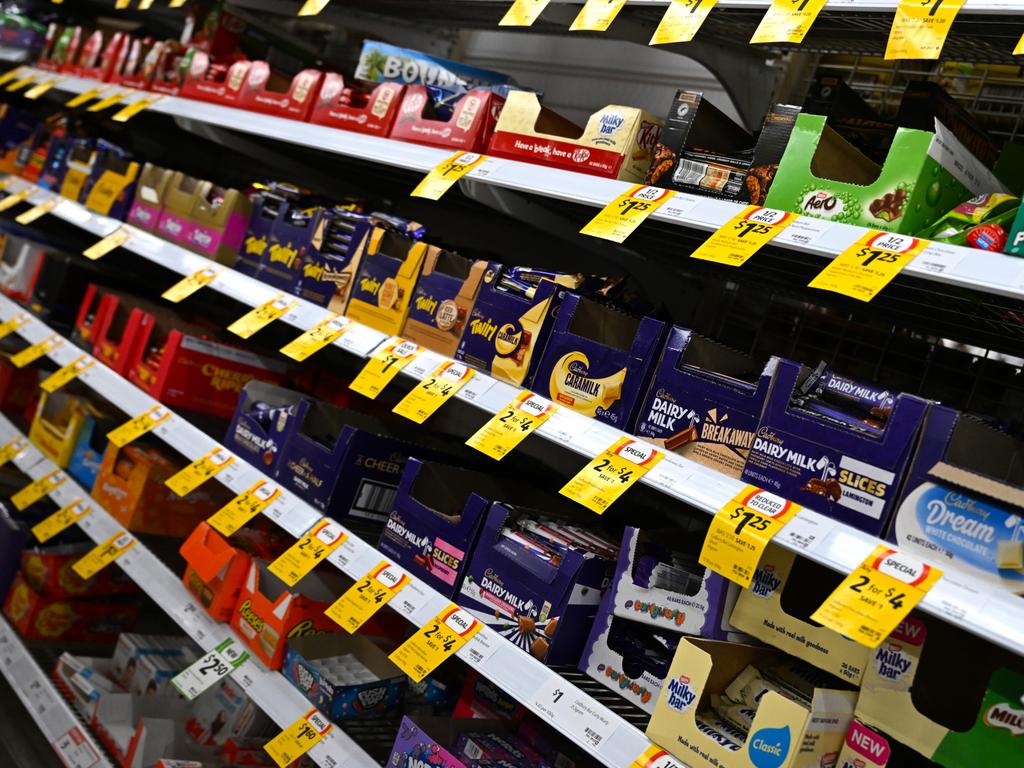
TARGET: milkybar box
(598,361)
(387,276)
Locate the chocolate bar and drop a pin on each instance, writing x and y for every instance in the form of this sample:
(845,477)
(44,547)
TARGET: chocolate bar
(679,439)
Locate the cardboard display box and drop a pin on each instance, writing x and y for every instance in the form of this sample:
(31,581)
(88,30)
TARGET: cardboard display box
(350,106)
(118,329)
(98,55)
(110,187)
(40,617)
(262,92)
(78,165)
(147,208)
(469,127)
(218,220)
(61,47)
(47,570)
(179,197)
(137,63)
(55,165)
(264,420)
(20,265)
(211,81)
(59,421)
(214,571)
(387,275)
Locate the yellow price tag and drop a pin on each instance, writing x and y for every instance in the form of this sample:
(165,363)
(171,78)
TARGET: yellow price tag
(366,596)
(199,471)
(17,85)
(871,602)
(60,520)
(441,178)
(131,110)
(84,96)
(384,366)
(186,287)
(434,391)
(14,198)
(740,531)
(72,370)
(10,326)
(1019,50)
(609,474)
(33,353)
(787,21)
(120,5)
(313,7)
(145,5)
(596,15)
(656,757)
(35,490)
(440,638)
(621,216)
(919,28)
(138,426)
(115,239)
(510,426)
(681,21)
(316,338)
(12,449)
(37,212)
(260,317)
(244,507)
(6,77)
(103,554)
(302,556)
(107,101)
(743,235)
(522,13)
(298,738)
(867,266)
(38,90)
(176,3)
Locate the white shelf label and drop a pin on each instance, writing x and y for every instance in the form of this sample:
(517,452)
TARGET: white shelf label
(75,751)
(573,712)
(205,672)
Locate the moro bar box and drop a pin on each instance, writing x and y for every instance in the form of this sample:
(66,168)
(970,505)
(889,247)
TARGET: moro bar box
(703,151)
(387,275)
(705,401)
(598,360)
(835,468)
(264,419)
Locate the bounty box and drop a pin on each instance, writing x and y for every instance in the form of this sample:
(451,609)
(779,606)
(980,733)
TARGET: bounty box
(598,360)
(830,466)
(264,419)
(705,401)
(387,274)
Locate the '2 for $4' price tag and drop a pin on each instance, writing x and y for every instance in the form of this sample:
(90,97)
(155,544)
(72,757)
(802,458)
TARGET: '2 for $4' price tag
(441,637)
(367,596)
(302,556)
(434,391)
(510,426)
(610,473)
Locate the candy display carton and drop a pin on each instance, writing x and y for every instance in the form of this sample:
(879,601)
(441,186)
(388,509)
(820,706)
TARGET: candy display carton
(110,188)
(598,360)
(60,48)
(20,265)
(329,269)
(618,142)
(179,197)
(148,206)
(87,455)
(705,401)
(262,92)
(14,536)
(16,127)
(19,388)
(137,63)
(387,275)
(55,165)
(214,571)
(116,329)
(255,244)
(170,66)
(81,157)
(264,420)
(352,107)
(417,745)
(59,420)
(838,468)
(213,82)
(218,220)
(41,617)
(98,55)
(469,126)
(48,570)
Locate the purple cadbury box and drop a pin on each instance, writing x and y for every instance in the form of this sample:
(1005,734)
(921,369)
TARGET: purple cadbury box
(257,238)
(251,437)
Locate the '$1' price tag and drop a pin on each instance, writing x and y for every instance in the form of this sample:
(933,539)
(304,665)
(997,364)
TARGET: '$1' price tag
(441,637)
(867,266)
(204,673)
(103,554)
(384,366)
(366,596)
(510,426)
(441,178)
(244,507)
(608,476)
(298,738)
(199,471)
(872,601)
(60,520)
(35,490)
(743,235)
(319,542)
(434,391)
(621,216)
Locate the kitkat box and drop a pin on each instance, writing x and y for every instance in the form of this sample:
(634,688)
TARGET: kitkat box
(98,55)
(264,420)
(354,107)
(60,48)
(213,81)
(42,617)
(387,276)
(265,92)
(214,572)
(468,128)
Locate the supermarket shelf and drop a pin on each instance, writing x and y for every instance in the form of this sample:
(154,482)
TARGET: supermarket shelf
(48,709)
(966,268)
(269,690)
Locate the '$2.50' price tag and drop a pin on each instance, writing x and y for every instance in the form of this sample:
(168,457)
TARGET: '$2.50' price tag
(510,426)
(621,216)
(743,235)
(740,531)
(302,556)
(610,473)
(441,637)
(204,673)
(138,426)
(103,554)
(384,366)
(199,471)
(867,266)
(441,178)
(298,738)
(366,596)
(434,391)
(244,507)
(871,602)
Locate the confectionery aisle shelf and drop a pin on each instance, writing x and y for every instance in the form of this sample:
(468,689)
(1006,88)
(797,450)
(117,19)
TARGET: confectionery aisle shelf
(48,708)
(954,265)
(269,690)
(970,6)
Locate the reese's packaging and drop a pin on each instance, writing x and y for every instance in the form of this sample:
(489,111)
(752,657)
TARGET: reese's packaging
(383,288)
(443,299)
(214,571)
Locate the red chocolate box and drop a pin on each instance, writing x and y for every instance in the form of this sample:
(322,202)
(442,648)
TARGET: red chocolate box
(259,92)
(215,572)
(352,108)
(470,127)
(99,54)
(209,81)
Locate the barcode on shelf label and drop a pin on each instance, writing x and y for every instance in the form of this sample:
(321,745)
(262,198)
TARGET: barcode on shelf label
(564,705)
(75,751)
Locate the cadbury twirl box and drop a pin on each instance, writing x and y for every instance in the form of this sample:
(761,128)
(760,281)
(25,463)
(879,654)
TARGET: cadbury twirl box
(264,420)
(598,360)
(383,288)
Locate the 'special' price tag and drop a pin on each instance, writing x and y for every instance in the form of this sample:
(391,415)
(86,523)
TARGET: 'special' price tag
(204,673)
(871,602)
(867,266)
(611,473)
(37,212)
(60,520)
(596,15)
(434,391)
(367,596)
(740,531)
(787,21)
(37,350)
(441,178)
(314,547)
(743,235)
(260,317)
(138,426)
(35,490)
(103,554)
(681,21)
(199,471)
(384,366)
(625,213)
(919,28)
(62,376)
(656,757)
(510,426)
(185,288)
(441,637)
(316,338)
(522,13)
(10,326)
(115,239)
(230,518)
(298,738)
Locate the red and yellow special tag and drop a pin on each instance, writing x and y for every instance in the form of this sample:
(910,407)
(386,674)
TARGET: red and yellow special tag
(10,326)
(186,287)
(199,471)
(37,489)
(31,354)
(522,13)
(920,27)
(325,332)
(611,473)
(115,239)
(681,21)
(237,513)
(314,547)
(740,531)
(871,602)
(625,213)
(103,555)
(656,757)
(867,266)
(596,15)
(71,371)
(384,366)
(434,391)
(298,738)
(60,520)
(260,317)
(510,426)
(138,426)
(367,596)
(787,21)
(743,235)
(439,638)
(445,174)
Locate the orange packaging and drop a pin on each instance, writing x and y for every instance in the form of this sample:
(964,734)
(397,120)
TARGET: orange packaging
(215,571)
(48,572)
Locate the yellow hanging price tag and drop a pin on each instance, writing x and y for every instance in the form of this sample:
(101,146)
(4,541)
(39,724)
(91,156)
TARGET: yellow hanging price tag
(522,13)
(743,235)
(107,101)
(611,473)
(176,3)
(145,5)
(115,239)
(185,288)
(298,738)
(681,21)
(60,520)
(31,354)
(384,366)
(84,96)
(510,426)
(103,555)
(740,531)
(870,264)
(12,449)
(434,391)
(131,110)
(316,338)
(37,212)
(871,602)
(35,490)
(596,15)
(244,507)
(313,7)
(6,77)
(120,5)
(441,178)
(72,370)
(10,326)
(14,198)
(1019,50)
(199,471)
(656,757)
(36,91)
(260,317)
(919,28)
(440,638)
(787,21)
(302,556)
(138,426)
(621,216)
(20,83)
(366,596)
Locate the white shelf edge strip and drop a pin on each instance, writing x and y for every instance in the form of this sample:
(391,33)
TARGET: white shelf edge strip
(48,708)
(271,692)
(994,273)
(970,6)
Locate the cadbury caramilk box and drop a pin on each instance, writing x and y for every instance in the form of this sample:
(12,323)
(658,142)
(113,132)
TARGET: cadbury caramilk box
(387,275)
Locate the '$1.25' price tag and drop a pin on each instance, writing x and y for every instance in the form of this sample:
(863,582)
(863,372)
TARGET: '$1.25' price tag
(621,216)
(434,391)
(302,556)
(298,738)
(743,235)
(610,473)
(441,637)
(384,366)
(510,426)
(441,178)
(867,266)
(204,673)
(366,596)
